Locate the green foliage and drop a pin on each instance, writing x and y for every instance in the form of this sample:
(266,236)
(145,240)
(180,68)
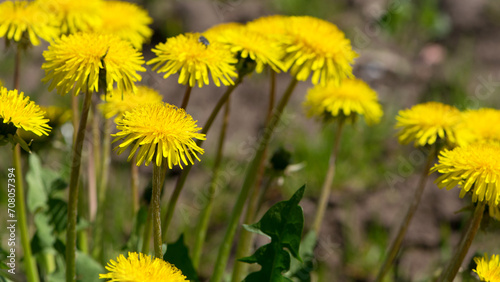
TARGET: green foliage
(178,255)
(87,269)
(283,222)
(301,270)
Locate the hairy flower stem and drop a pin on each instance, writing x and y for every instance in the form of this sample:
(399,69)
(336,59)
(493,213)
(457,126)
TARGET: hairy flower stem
(202,226)
(327,185)
(248,183)
(454,264)
(246,237)
(29,262)
(182,178)
(73,190)
(155,210)
(187,94)
(396,243)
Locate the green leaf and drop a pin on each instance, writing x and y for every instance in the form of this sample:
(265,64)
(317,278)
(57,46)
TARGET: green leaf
(87,269)
(178,255)
(302,270)
(39,182)
(283,222)
(58,214)
(44,236)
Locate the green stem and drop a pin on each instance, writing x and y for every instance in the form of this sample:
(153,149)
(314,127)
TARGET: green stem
(17,66)
(134,184)
(146,236)
(201,228)
(73,191)
(185,172)
(155,210)
(248,183)
(396,244)
(31,270)
(187,94)
(98,248)
(246,237)
(327,185)
(468,236)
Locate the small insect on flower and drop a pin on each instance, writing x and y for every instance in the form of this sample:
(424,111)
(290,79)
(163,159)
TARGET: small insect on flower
(204,40)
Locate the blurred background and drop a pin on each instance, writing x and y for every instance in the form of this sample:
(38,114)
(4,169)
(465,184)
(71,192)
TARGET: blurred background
(410,52)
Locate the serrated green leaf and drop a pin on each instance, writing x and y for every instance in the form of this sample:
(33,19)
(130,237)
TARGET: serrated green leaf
(283,222)
(301,270)
(57,214)
(87,269)
(178,255)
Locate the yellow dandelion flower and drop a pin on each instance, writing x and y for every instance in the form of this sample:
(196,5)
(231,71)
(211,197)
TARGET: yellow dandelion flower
(126,20)
(18,18)
(248,44)
(273,27)
(161,128)
(351,98)
(189,55)
(488,269)
(482,125)
(117,104)
(17,111)
(78,60)
(140,267)
(425,123)
(476,166)
(318,47)
(74,15)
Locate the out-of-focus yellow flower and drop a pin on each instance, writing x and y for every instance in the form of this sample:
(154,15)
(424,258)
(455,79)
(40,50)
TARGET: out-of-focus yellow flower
(84,60)
(428,122)
(18,18)
(248,44)
(119,102)
(482,125)
(160,130)
(74,15)
(126,20)
(141,268)
(319,48)
(345,101)
(474,168)
(194,60)
(488,269)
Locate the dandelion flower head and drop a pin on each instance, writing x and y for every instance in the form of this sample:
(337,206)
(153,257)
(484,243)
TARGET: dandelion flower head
(17,110)
(139,268)
(474,168)
(351,98)
(488,269)
(273,27)
(74,15)
(159,129)
(248,43)
(319,48)
(194,60)
(428,122)
(117,104)
(18,18)
(79,59)
(482,125)
(126,20)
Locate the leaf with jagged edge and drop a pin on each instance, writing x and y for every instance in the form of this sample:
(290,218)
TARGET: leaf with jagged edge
(283,223)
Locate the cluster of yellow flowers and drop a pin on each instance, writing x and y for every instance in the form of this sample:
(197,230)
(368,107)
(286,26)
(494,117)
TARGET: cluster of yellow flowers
(95,46)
